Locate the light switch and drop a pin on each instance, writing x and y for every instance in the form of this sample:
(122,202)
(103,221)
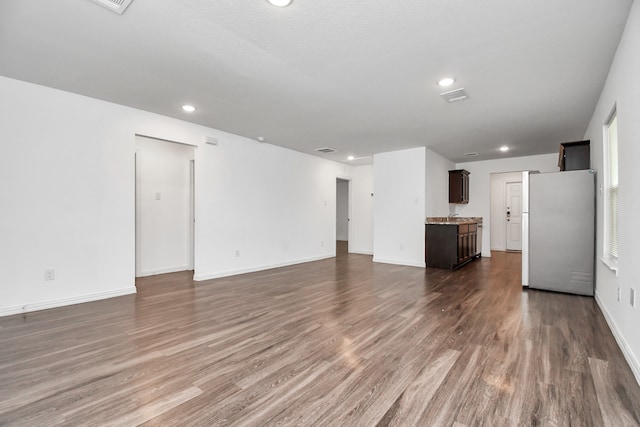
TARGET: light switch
(158,196)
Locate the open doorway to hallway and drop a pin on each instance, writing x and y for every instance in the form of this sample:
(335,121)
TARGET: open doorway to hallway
(165,196)
(342,214)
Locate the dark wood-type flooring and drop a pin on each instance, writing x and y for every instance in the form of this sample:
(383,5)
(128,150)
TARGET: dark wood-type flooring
(338,342)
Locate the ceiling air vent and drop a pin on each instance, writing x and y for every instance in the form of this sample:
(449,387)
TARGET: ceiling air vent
(325,150)
(117,6)
(455,95)
(473,154)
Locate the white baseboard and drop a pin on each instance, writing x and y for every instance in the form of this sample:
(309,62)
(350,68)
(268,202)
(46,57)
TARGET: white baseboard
(398,262)
(632,360)
(227,273)
(163,271)
(27,308)
(361,252)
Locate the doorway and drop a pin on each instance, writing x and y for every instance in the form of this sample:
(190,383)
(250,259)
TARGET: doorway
(164,200)
(513,211)
(505,234)
(342,215)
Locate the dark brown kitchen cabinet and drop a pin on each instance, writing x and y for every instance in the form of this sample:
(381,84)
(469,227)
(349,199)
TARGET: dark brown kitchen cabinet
(459,186)
(450,245)
(575,156)
(463,243)
(467,242)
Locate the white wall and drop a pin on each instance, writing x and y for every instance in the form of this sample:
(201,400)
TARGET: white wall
(271,205)
(399,207)
(437,184)
(480,185)
(498,220)
(163,201)
(362,197)
(621,89)
(342,210)
(67,174)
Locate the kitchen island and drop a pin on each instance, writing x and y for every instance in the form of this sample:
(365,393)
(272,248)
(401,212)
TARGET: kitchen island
(451,242)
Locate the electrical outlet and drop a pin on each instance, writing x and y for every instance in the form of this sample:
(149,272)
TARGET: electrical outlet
(50,274)
(321,243)
(632,297)
(619,294)
(237,253)
(158,196)
(402,247)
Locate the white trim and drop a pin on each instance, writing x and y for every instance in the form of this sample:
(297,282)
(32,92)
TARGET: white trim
(398,262)
(8,311)
(631,359)
(227,273)
(166,140)
(607,259)
(361,252)
(164,271)
(611,263)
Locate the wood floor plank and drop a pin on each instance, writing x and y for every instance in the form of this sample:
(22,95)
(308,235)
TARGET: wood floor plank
(415,398)
(148,411)
(444,408)
(341,341)
(613,401)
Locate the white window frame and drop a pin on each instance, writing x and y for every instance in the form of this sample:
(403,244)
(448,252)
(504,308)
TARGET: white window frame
(611,211)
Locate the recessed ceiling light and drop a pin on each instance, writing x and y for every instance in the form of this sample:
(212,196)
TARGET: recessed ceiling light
(189,108)
(280,3)
(504,148)
(446,82)
(260,138)
(350,158)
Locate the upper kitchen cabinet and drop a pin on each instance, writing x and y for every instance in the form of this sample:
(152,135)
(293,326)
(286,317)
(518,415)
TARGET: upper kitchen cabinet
(575,156)
(459,186)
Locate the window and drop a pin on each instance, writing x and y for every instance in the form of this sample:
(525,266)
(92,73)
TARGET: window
(612,194)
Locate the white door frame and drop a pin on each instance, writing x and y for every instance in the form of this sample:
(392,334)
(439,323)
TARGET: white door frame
(138,222)
(137,204)
(192,216)
(349,228)
(497,218)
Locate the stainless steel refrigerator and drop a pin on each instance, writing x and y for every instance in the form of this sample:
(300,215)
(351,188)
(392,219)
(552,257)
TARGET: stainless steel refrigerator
(558,231)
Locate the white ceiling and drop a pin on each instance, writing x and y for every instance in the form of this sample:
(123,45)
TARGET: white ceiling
(358,76)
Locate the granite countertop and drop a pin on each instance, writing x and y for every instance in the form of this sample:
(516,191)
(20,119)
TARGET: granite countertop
(456,220)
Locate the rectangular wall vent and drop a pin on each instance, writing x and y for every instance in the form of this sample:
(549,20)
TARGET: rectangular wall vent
(117,6)
(455,95)
(325,150)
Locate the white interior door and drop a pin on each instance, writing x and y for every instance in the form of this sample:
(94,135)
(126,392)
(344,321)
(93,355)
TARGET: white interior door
(514,216)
